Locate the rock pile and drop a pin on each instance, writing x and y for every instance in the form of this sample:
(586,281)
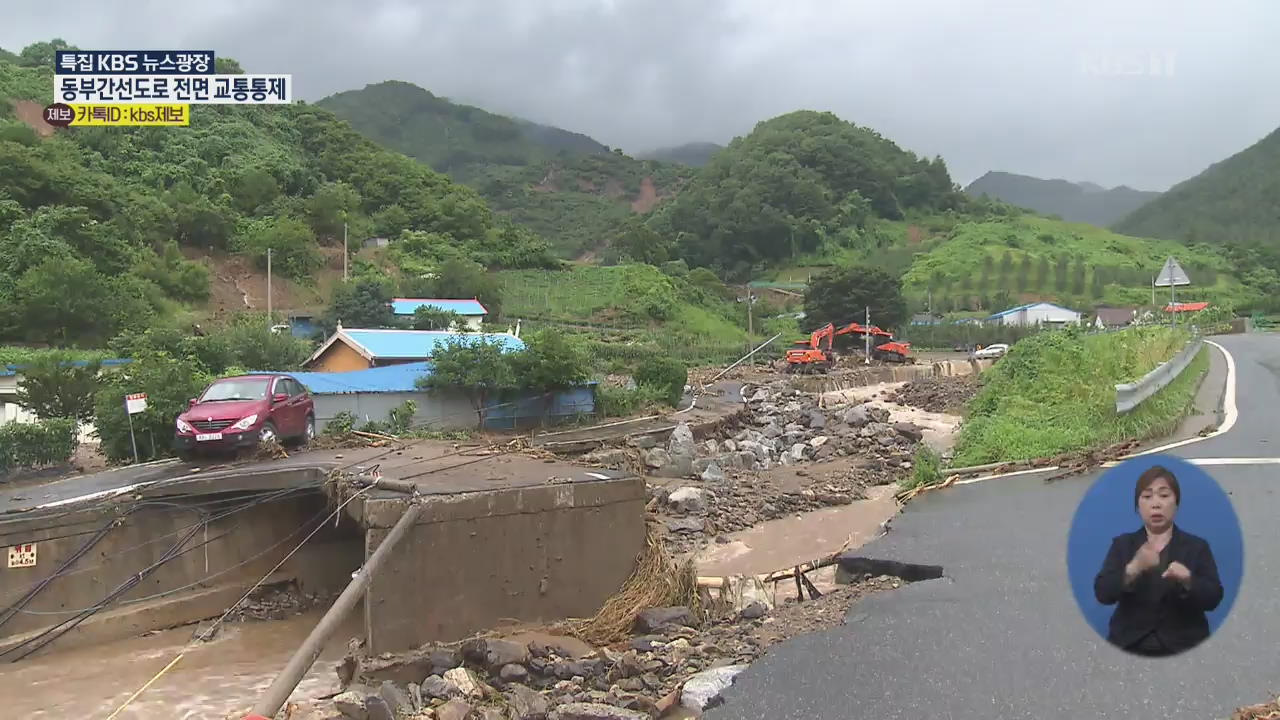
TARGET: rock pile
(693,514)
(939,395)
(788,429)
(672,659)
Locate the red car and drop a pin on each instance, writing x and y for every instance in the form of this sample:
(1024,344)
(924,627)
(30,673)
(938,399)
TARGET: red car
(243,411)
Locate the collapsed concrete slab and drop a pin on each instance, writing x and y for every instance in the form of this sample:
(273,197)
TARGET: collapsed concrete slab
(477,559)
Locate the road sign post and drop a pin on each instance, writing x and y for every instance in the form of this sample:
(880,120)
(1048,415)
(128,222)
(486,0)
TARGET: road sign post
(133,404)
(1172,275)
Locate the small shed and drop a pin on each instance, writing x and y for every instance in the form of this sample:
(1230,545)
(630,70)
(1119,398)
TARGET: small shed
(1108,317)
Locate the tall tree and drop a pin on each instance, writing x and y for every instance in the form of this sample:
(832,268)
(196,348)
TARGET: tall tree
(477,366)
(841,294)
(55,386)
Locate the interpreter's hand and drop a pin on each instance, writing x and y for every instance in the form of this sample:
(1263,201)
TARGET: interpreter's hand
(1146,558)
(1178,573)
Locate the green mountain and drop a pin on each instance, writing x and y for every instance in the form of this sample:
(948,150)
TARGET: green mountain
(1234,203)
(806,191)
(695,154)
(570,189)
(798,182)
(1075,202)
(144,222)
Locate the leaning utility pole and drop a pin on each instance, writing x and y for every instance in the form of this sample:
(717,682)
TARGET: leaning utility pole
(305,656)
(866,333)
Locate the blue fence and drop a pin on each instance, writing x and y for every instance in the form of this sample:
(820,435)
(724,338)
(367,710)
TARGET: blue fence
(548,409)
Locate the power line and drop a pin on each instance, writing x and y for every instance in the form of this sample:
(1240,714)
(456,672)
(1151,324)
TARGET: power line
(206,634)
(270,497)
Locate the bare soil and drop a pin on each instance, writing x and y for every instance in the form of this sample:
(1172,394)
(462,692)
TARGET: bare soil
(32,113)
(648,197)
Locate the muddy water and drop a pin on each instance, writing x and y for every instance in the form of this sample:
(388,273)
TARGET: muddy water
(212,680)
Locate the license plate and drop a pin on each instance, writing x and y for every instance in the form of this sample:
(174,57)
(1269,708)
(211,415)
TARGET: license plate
(208,436)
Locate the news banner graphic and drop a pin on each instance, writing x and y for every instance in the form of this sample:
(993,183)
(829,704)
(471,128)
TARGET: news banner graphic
(150,87)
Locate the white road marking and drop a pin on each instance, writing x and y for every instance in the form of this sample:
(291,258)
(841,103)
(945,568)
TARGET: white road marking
(1230,412)
(1003,475)
(1234,461)
(597,475)
(92,496)
(1229,416)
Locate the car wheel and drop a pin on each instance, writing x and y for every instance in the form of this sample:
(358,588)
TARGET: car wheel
(308,432)
(268,434)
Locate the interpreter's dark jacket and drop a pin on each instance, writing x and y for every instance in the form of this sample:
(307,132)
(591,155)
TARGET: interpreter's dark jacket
(1175,613)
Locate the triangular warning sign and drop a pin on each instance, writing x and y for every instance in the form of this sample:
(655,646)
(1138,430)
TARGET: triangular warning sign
(1172,274)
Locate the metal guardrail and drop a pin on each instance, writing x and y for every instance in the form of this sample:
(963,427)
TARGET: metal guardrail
(1131,395)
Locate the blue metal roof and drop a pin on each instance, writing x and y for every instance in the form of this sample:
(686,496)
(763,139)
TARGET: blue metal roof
(419,344)
(407,306)
(1012,310)
(9,370)
(391,378)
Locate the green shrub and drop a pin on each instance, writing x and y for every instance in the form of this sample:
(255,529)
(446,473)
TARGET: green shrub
(666,375)
(926,468)
(341,424)
(30,445)
(615,401)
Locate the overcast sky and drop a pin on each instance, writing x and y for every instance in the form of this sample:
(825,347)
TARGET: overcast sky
(1138,92)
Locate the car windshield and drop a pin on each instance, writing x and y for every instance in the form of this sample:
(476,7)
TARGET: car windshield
(238,389)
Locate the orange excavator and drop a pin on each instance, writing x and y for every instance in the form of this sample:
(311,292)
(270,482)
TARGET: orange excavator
(889,351)
(810,355)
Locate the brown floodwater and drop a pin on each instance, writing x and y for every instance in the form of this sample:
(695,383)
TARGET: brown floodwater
(213,680)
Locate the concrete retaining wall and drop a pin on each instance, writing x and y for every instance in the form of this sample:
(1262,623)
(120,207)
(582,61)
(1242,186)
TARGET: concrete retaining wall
(888,374)
(203,582)
(478,560)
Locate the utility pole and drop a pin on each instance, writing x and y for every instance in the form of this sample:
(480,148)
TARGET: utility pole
(269,322)
(867,334)
(344,251)
(751,337)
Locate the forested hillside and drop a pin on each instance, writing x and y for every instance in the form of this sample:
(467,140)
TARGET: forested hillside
(1073,202)
(798,182)
(1234,203)
(568,188)
(109,212)
(807,191)
(695,154)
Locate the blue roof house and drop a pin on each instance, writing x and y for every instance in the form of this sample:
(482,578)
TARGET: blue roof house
(471,311)
(360,349)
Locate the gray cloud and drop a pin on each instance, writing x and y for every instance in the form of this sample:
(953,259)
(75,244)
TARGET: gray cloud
(1144,93)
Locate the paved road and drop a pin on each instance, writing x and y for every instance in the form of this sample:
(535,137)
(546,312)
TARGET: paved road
(1001,636)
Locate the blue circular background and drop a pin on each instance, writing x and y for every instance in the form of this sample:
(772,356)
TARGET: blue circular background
(1107,510)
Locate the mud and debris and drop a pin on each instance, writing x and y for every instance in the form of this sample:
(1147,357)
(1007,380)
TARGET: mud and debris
(937,395)
(783,455)
(670,660)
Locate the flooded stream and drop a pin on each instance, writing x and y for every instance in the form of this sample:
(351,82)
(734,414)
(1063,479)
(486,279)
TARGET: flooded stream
(212,681)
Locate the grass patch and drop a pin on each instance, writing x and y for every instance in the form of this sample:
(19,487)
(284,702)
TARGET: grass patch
(636,312)
(1055,393)
(926,469)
